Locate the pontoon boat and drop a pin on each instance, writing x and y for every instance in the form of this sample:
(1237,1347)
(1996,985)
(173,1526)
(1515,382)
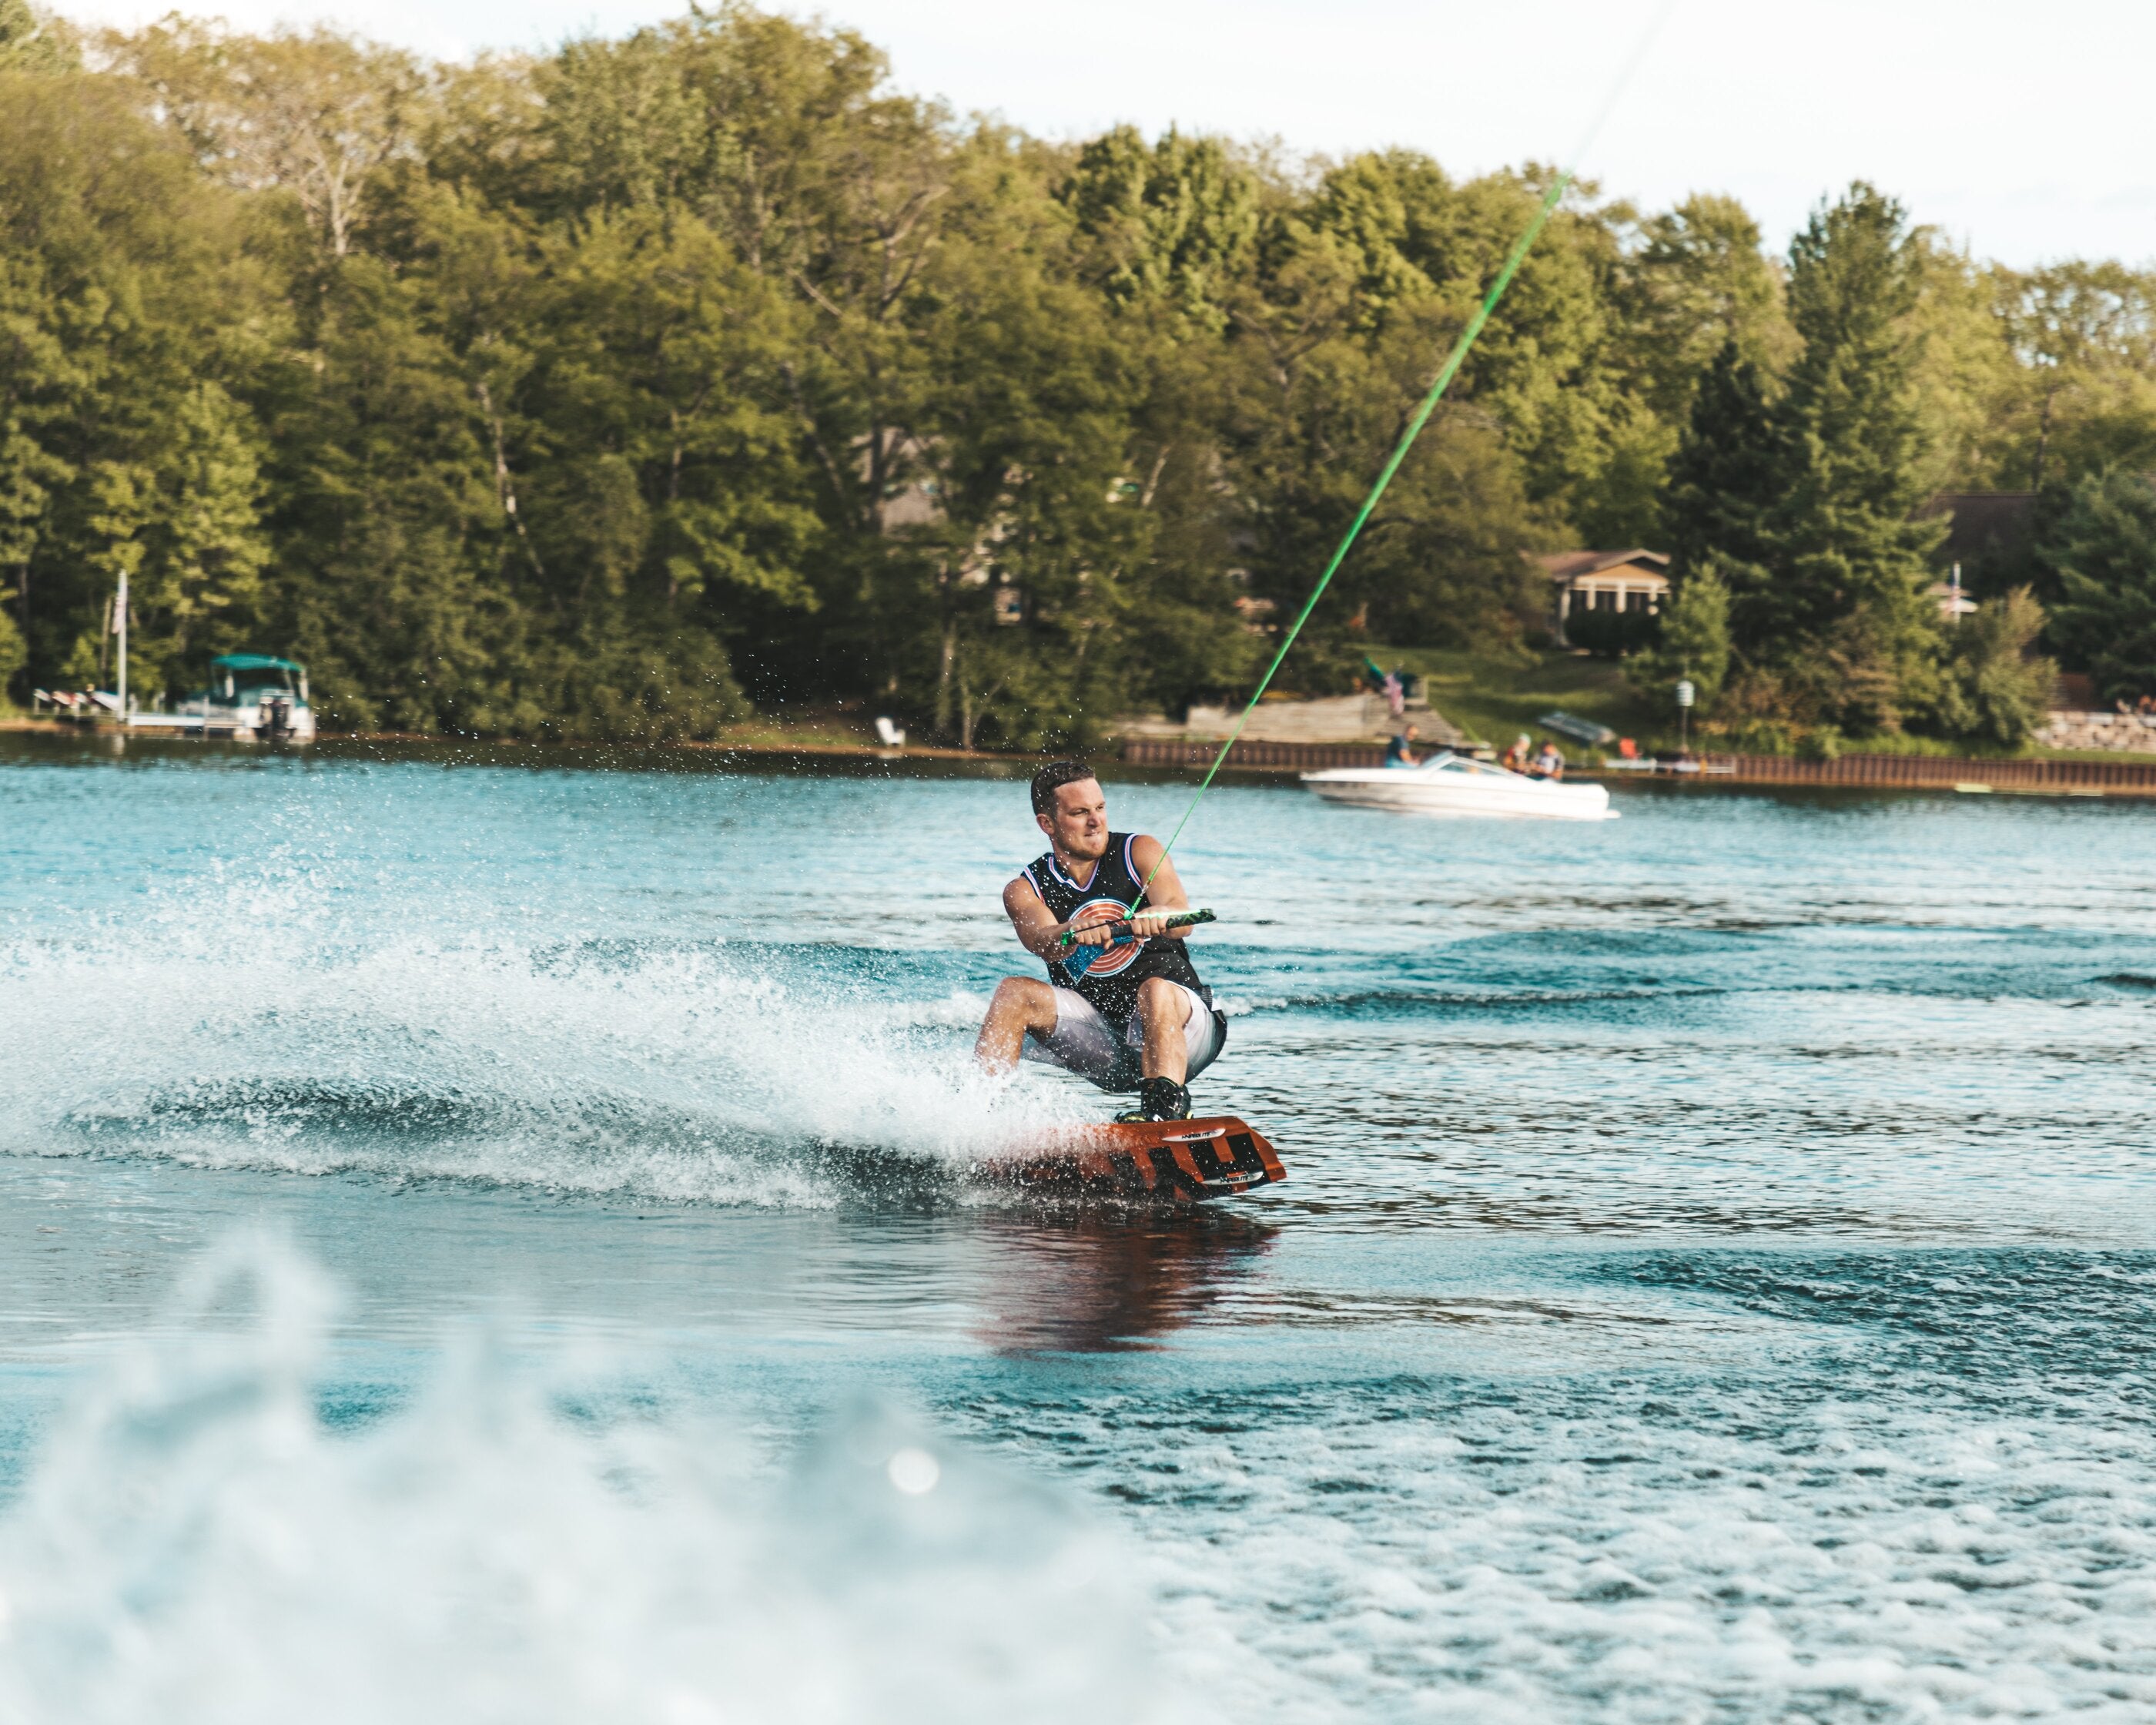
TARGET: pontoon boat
(251,695)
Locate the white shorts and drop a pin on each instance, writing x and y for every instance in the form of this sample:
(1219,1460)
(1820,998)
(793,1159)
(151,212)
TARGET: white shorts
(1086,1043)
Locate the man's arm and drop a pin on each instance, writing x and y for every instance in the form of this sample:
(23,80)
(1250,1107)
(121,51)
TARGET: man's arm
(1038,930)
(1166,893)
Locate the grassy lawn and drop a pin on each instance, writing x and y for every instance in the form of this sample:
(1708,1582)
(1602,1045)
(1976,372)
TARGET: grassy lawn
(847,729)
(814,728)
(1496,697)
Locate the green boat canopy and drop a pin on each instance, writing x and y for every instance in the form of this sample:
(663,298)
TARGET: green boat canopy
(252,661)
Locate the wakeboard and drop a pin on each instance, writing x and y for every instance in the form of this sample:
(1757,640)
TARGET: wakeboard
(1148,1162)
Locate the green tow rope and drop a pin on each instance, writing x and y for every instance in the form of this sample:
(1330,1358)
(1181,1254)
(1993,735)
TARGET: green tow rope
(1557,188)
(1445,377)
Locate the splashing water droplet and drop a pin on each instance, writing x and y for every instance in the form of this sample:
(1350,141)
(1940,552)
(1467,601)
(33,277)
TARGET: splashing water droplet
(914,1471)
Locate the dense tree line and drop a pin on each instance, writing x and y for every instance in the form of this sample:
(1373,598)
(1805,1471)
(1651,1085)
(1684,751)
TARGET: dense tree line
(610,392)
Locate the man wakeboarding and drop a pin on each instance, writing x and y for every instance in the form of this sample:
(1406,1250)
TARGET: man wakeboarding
(1129,1013)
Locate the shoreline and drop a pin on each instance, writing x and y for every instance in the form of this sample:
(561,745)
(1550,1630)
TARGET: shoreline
(2048,773)
(30,726)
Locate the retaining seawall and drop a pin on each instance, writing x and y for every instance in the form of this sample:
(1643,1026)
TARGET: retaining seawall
(1944,772)
(1255,755)
(2120,778)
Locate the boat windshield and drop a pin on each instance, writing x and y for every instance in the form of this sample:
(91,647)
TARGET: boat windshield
(1461,763)
(247,685)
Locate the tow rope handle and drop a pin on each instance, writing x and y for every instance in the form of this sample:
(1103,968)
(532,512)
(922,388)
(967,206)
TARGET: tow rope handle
(1077,960)
(1122,924)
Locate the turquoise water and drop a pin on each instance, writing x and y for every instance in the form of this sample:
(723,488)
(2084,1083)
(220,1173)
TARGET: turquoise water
(486,1238)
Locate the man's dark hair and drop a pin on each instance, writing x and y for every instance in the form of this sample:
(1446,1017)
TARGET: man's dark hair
(1051,778)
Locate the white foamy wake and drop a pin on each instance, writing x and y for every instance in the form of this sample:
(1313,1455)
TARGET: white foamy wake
(197,1544)
(692,1072)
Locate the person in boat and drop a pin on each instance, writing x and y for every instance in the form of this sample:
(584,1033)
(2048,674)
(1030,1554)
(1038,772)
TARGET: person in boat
(1400,751)
(1134,1018)
(1548,764)
(1516,758)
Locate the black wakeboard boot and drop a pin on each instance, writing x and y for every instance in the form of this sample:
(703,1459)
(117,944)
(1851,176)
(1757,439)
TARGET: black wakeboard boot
(1159,1099)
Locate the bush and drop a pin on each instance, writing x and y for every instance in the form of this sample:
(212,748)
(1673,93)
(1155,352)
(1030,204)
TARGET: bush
(1692,643)
(1991,687)
(2104,551)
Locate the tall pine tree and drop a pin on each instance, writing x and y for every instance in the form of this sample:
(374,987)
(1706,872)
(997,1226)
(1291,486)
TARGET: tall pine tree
(1807,503)
(1853,554)
(2104,553)
(1722,481)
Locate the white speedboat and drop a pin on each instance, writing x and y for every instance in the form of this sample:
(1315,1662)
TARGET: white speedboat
(1453,784)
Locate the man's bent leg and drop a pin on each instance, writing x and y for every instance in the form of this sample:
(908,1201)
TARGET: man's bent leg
(1163,1010)
(1022,1005)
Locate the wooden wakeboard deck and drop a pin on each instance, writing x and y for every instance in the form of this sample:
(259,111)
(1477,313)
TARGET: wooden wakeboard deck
(1157,1161)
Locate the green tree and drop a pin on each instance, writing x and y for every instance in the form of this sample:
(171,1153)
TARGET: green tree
(2085,336)
(1962,368)
(1021,440)
(14,651)
(1442,561)
(121,286)
(1725,479)
(27,473)
(1354,302)
(1692,643)
(1693,283)
(30,41)
(665,358)
(2104,551)
(1806,503)
(199,587)
(314,117)
(122,498)
(1388,253)
(840,196)
(1174,222)
(384,498)
(1853,555)
(551,394)
(1993,686)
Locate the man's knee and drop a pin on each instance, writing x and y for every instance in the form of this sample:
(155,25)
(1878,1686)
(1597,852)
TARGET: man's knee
(1162,999)
(1028,996)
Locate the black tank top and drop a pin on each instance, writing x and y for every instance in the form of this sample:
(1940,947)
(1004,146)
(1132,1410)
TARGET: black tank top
(1111,984)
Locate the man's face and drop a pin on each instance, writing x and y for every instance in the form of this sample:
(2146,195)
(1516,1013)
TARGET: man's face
(1079,824)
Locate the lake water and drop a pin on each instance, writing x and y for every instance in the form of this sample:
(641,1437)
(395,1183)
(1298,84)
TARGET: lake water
(483,1237)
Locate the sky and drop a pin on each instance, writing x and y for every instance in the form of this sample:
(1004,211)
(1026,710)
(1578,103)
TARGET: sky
(2025,132)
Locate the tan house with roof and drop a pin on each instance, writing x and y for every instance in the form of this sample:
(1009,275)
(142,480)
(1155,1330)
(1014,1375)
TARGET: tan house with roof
(1603,581)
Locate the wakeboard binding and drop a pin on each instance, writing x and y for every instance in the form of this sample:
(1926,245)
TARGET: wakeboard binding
(1158,1099)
